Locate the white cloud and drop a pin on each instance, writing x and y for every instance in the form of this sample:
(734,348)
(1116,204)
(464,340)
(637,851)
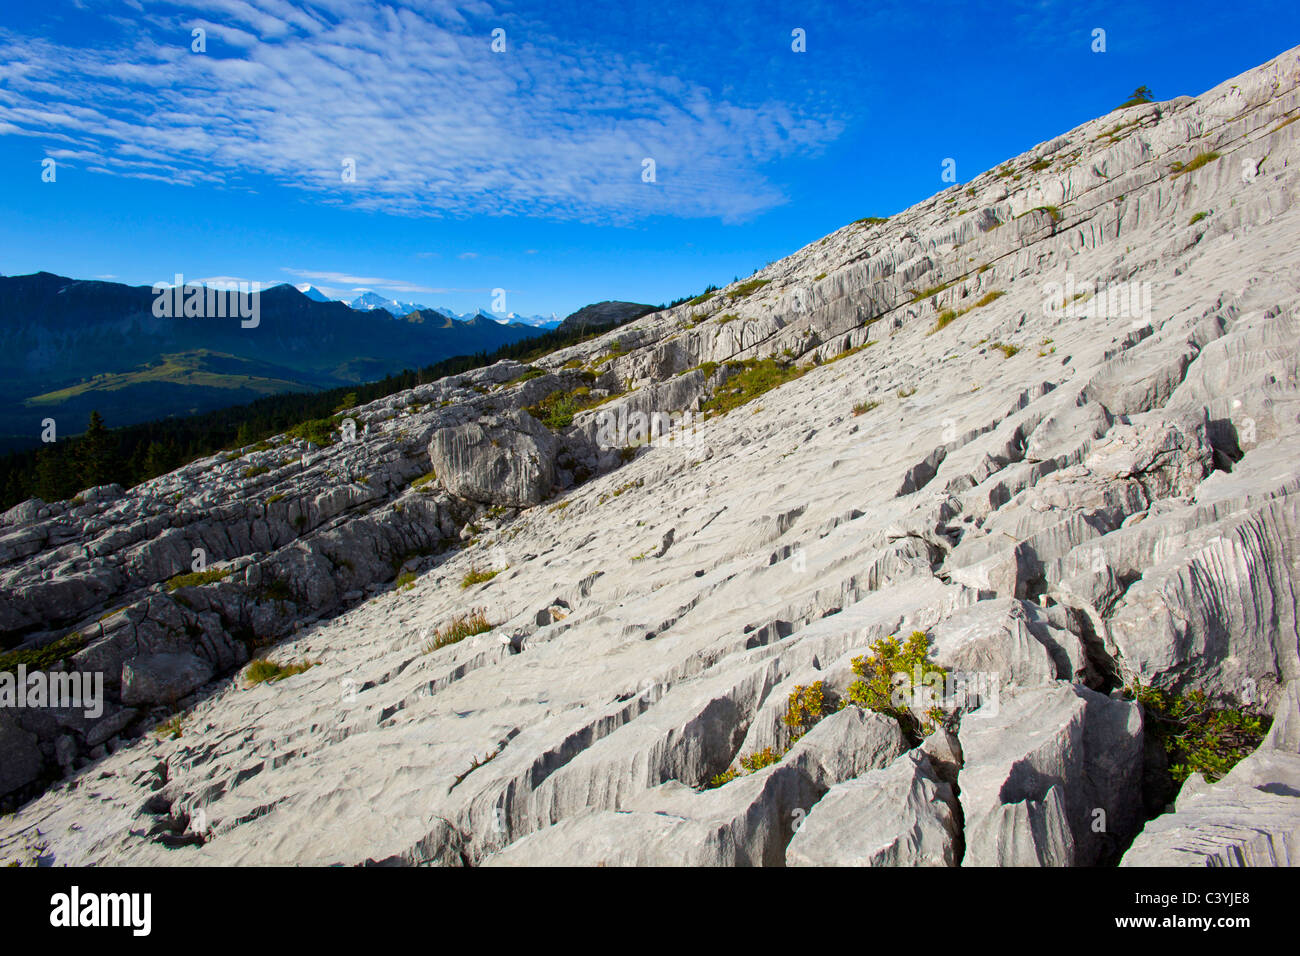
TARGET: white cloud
(437,124)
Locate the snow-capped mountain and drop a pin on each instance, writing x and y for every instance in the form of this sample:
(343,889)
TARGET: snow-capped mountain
(369,301)
(313,293)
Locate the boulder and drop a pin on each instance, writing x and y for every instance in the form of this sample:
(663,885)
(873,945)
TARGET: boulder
(903,815)
(1054,778)
(162,678)
(20,756)
(507,460)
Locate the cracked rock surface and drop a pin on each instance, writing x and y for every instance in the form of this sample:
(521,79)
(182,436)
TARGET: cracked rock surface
(1066,492)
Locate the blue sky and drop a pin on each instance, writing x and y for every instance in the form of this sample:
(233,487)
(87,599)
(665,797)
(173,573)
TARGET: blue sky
(523,169)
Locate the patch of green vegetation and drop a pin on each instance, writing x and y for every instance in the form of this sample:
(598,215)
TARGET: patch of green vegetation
(350,400)
(1199,737)
(896,669)
(263,670)
(748,287)
(462,626)
(1005,349)
(1039,165)
(318,431)
(530,373)
(729,317)
(907,391)
(755,377)
(197,579)
(405,581)
(475,576)
(1201,159)
(170,729)
(1052,211)
(256,470)
(274,498)
(861,408)
(424,479)
(948,316)
(1141,95)
(621,490)
(871,221)
(847,352)
(1197,218)
(40,658)
(819,277)
(556,410)
(804,708)
(923,294)
(616,349)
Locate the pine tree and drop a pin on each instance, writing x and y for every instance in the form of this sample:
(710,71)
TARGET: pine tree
(94,454)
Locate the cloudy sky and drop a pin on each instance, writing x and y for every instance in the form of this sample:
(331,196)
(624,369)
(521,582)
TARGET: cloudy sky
(434,151)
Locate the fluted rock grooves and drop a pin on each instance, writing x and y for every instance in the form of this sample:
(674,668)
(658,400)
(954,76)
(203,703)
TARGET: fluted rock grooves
(1066,491)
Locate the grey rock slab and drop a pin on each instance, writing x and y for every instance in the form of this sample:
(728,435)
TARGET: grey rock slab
(1052,778)
(902,815)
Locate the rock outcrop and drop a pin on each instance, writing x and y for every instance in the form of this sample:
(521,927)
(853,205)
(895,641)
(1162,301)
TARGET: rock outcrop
(1047,417)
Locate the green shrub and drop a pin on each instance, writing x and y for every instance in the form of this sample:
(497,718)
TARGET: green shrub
(40,658)
(748,287)
(461,627)
(1203,159)
(946,318)
(892,666)
(424,479)
(923,294)
(756,376)
(949,315)
(530,373)
(274,498)
(318,431)
(197,579)
(263,670)
(1199,737)
(1197,218)
(805,707)
(170,729)
(871,221)
(475,576)
(1005,349)
(556,410)
(1141,95)
(861,408)
(256,470)
(405,581)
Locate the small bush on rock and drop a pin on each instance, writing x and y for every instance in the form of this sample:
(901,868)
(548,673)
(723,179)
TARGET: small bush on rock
(1199,737)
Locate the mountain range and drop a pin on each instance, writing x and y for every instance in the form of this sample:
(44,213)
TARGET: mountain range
(68,346)
(370,301)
